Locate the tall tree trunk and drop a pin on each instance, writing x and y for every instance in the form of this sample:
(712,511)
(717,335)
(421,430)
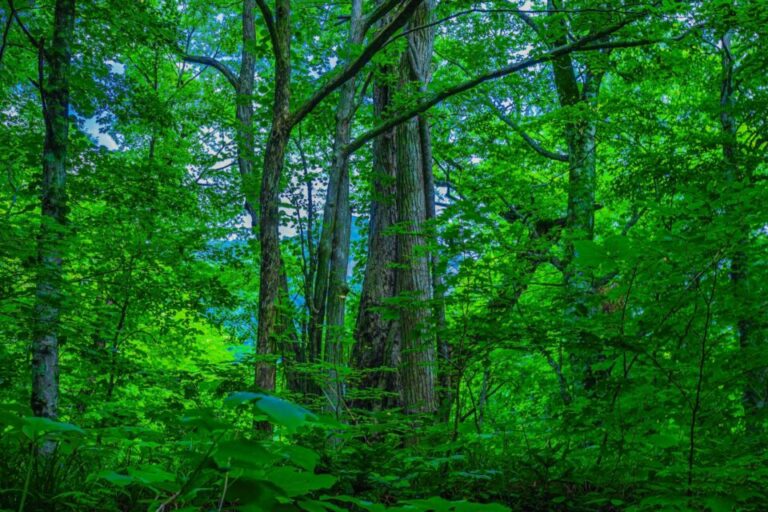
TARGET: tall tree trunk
(330,289)
(243,84)
(377,340)
(582,182)
(756,386)
(282,123)
(54,93)
(291,350)
(445,374)
(413,283)
(244,113)
(269,228)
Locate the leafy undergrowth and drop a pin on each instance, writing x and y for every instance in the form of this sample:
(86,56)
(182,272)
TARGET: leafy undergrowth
(214,459)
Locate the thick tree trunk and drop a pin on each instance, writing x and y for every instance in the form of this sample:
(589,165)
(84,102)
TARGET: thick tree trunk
(269,229)
(377,342)
(414,283)
(54,92)
(282,123)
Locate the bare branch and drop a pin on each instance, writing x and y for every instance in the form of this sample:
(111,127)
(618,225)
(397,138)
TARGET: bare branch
(535,145)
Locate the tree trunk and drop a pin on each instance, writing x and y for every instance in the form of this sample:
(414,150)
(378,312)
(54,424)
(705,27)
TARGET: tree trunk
(244,113)
(413,284)
(377,342)
(54,92)
(330,289)
(580,219)
(756,386)
(445,374)
(269,229)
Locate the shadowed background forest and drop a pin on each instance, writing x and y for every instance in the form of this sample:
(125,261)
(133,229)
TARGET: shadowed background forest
(383,255)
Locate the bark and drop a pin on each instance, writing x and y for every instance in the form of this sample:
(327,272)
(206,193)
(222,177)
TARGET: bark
(755,392)
(330,288)
(445,374)
(291,349)
(274,158)
(413,284)
(580,135)
(377,342)
(54,92)
(244,112)
(243,83)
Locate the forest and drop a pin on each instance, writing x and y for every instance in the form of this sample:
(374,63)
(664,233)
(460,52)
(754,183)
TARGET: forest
(383,255)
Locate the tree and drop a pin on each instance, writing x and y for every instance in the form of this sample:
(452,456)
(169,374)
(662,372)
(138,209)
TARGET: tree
(413,282)
(53,83)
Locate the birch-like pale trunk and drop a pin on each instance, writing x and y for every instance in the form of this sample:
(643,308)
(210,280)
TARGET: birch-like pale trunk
(54,92)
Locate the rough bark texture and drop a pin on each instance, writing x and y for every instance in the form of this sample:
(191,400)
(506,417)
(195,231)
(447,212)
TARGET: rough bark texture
(274,158)
(55,64)
(377,342)
(414,283)
(445,367)
(282,123)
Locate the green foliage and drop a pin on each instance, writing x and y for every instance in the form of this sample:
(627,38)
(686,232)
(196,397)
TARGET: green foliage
(620,371)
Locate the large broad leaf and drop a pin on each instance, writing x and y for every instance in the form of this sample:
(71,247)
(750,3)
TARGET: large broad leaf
(115,478)
(254,495)
(300,456)
(441,505)
(243,454)
(298,483)
(319,506)
(151,475)
(277,410)
(35,427)
(363,504)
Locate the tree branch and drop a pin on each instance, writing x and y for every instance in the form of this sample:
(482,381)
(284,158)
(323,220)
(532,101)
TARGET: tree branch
(35,42)
(6,30)
(351,69)
(379,12)
(609,45)
(474,82)
(230,75)
(535,145)
(270,22)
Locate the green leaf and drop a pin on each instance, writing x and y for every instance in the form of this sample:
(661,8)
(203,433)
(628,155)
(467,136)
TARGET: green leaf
(151,474)
(277,410)
(720,503)
(115,478)
(299,483)
(305,458)
(242,453)
(438,504)
(35,427)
